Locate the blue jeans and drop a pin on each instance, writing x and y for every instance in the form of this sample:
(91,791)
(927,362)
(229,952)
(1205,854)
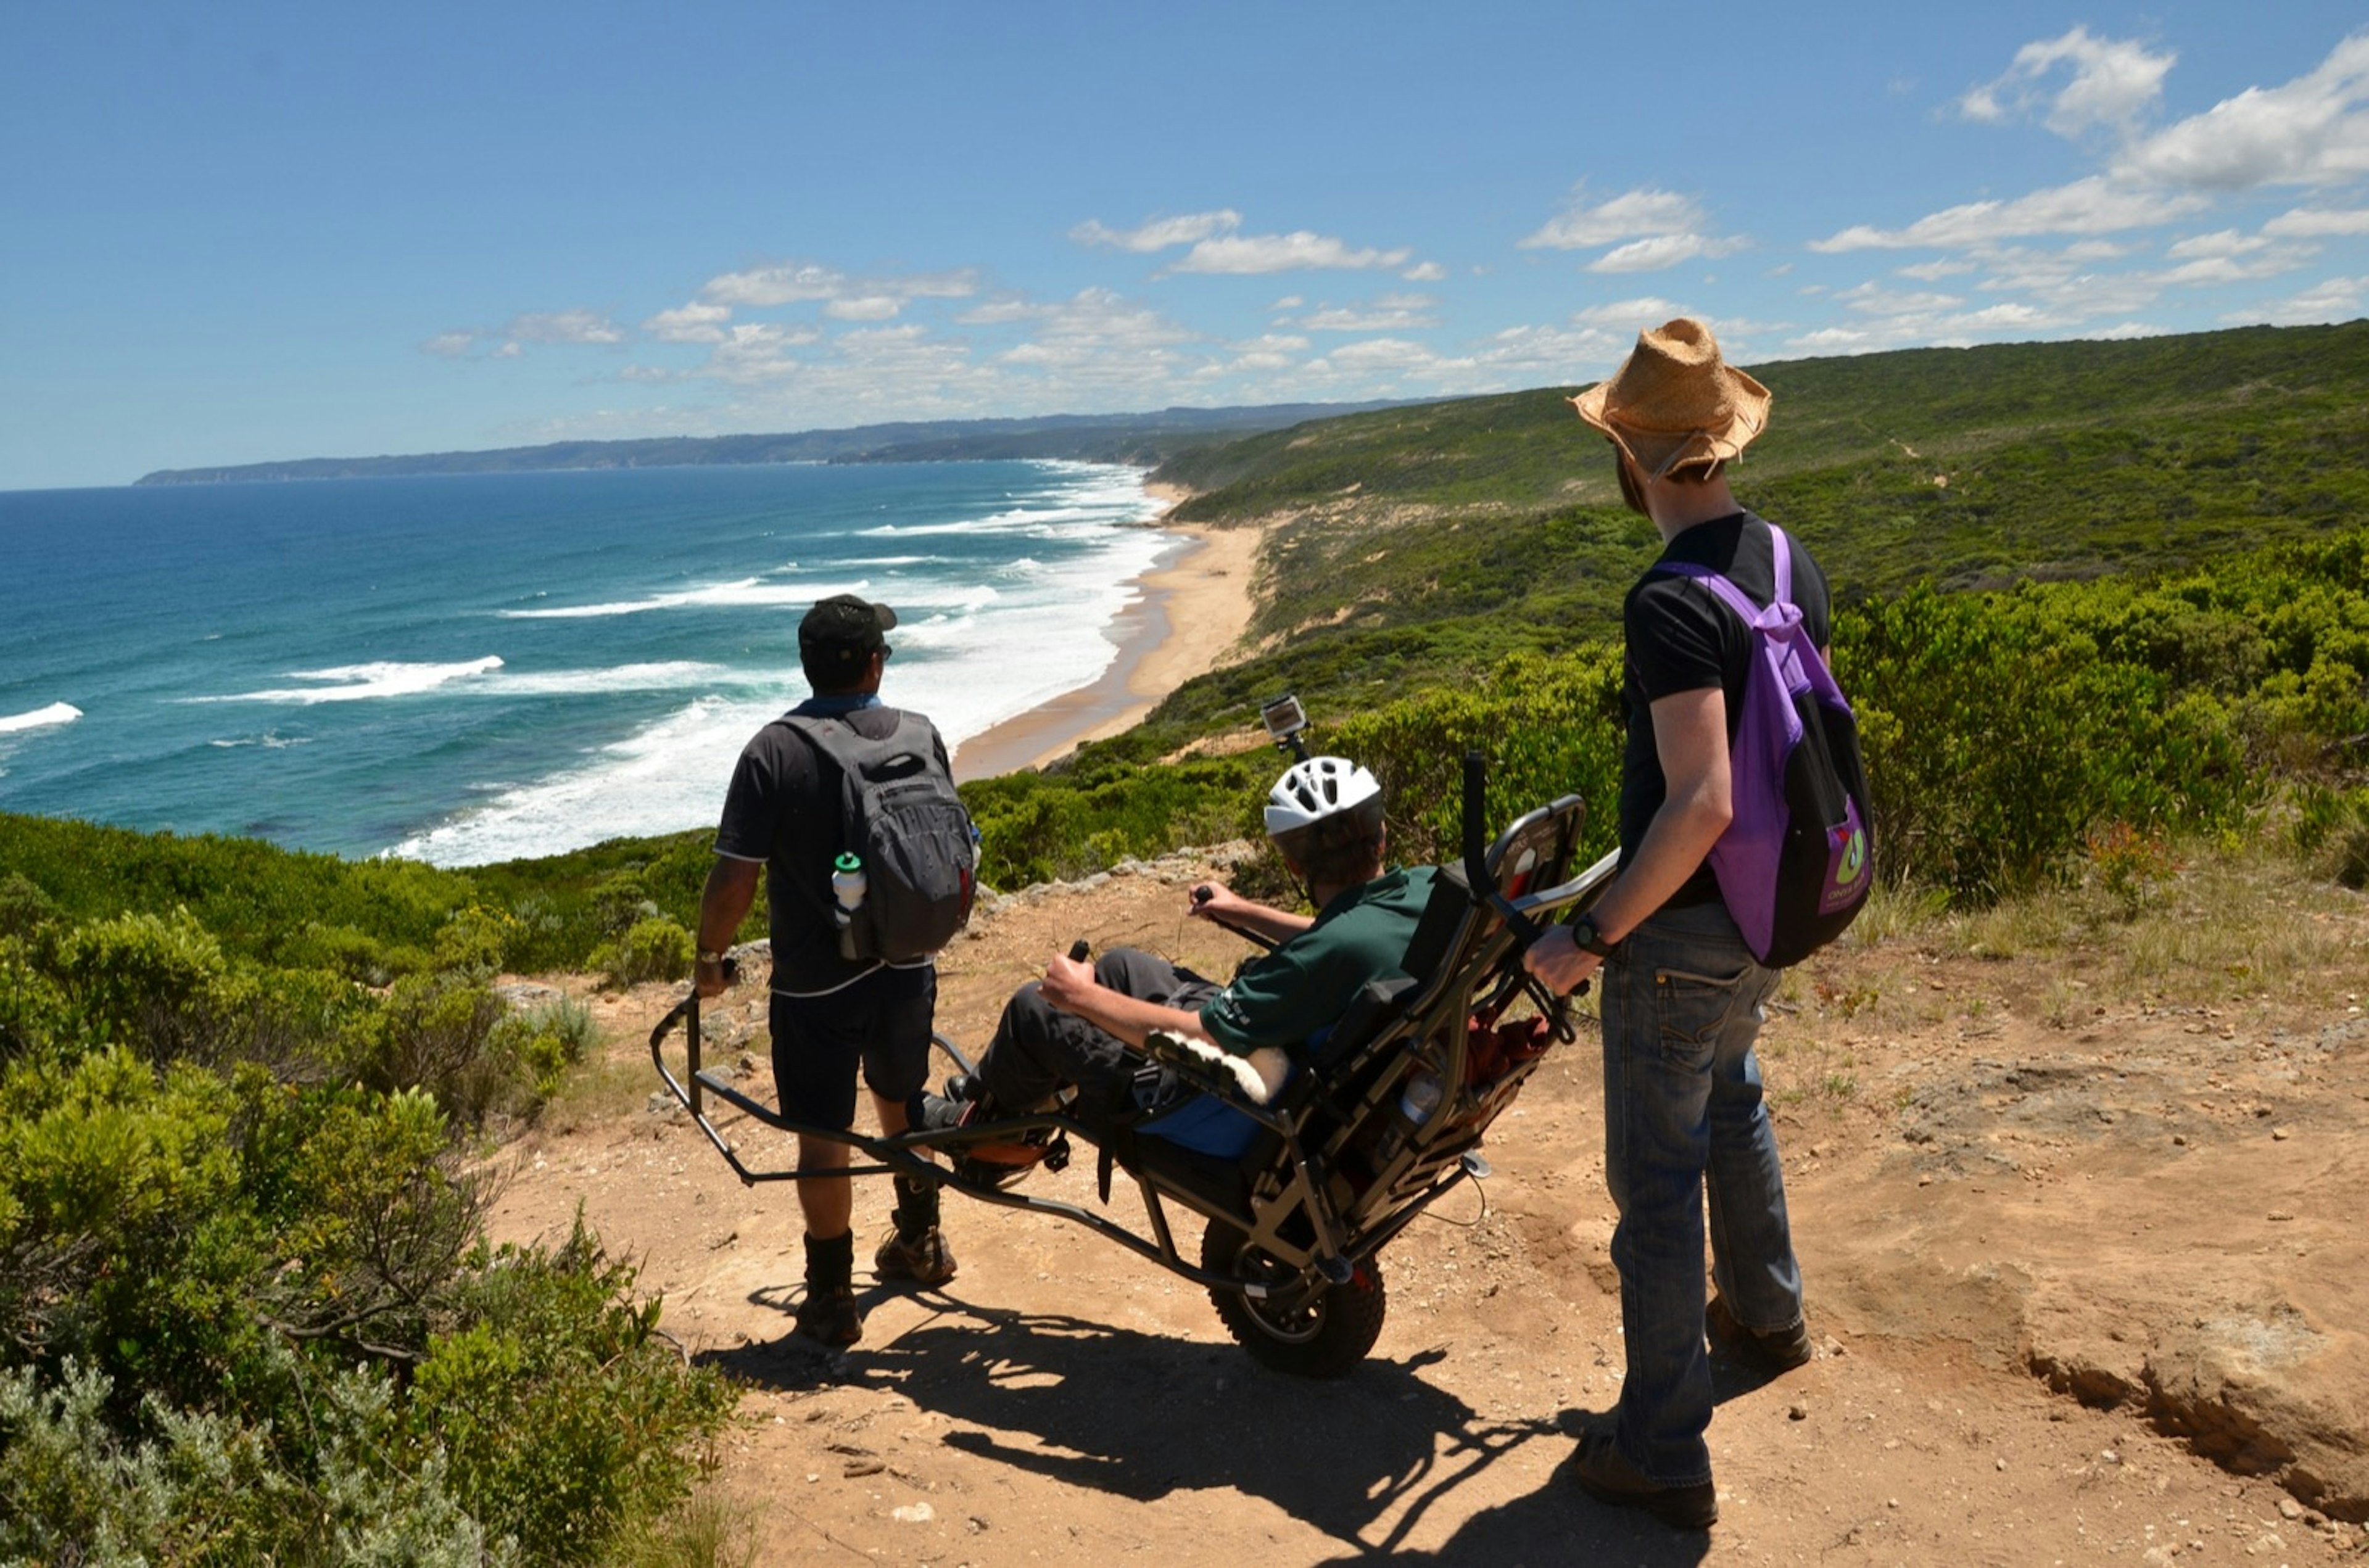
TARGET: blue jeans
(1683,1111)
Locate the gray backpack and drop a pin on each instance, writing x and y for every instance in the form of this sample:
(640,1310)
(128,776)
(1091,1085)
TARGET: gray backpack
(900,814)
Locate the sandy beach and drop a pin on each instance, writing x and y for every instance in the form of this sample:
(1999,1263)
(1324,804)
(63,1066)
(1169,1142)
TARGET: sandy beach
(1195,607)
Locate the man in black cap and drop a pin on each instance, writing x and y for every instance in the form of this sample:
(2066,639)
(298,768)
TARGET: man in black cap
(829,1013)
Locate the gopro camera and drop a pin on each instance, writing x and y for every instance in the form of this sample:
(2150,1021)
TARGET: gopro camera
(1285,718)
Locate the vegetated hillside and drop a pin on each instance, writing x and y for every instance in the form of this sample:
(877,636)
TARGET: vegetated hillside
(1139,438)
(1416,546)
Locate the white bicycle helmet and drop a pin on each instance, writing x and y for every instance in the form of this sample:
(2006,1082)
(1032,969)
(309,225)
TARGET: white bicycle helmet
(1309,791)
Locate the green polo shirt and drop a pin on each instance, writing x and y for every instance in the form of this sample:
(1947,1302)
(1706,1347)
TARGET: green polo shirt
(1300,989)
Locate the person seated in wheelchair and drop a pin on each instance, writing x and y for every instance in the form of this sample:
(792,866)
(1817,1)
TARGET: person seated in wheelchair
(1083,1026)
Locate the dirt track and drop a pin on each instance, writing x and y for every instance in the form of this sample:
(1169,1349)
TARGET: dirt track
(2087,1272)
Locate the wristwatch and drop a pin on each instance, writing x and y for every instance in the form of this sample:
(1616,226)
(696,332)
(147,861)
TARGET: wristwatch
(1589,938)
(708,958)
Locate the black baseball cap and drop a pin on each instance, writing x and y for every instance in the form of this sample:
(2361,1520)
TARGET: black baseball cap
(845,621)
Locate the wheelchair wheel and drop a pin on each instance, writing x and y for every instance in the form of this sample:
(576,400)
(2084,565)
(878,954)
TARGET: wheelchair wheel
(1323,1336)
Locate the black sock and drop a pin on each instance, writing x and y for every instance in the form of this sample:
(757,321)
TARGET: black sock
(917,1207)
(830,1262)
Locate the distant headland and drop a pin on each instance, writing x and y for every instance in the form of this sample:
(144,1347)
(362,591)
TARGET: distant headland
(1142,438)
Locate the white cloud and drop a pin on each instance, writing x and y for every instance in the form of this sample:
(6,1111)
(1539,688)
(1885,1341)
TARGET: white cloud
(2226,242)
(773,286)
(1631,215)
(1269,351)
(563,326)
(2114,81)
(1870,299)
(1934,271)
(1425,273)
(1159,234)
(2312,131)
(2225,267)
(2312,223)
(694,323)
(2097,205)
(2330,299)
(1648,230)
(449,345)
(757,351)
(863,308)
(1652,254)
(1289,302)
(1391,312)
(510,350)
(1251,253)
(802,284)
(1627,316)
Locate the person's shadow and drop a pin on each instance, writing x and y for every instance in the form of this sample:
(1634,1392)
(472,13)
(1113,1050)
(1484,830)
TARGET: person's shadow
(1137,1416)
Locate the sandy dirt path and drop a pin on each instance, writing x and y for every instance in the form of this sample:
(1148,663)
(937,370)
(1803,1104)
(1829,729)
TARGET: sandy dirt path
(2086,1276)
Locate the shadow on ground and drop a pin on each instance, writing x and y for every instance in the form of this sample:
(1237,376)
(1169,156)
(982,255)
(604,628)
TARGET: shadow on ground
(1138,1416)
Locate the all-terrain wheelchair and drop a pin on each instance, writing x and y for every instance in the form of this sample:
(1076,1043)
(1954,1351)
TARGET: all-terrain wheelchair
(1374,1123)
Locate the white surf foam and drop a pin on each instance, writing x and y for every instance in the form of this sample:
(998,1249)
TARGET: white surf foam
(358,683)
(668,775)
(40,718)
(486,677)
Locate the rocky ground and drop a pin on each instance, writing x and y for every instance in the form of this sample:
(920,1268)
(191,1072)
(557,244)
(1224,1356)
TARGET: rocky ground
(2084,1261)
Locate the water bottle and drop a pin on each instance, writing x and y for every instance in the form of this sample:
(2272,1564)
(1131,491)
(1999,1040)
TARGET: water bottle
(847,883)
(1417,1101)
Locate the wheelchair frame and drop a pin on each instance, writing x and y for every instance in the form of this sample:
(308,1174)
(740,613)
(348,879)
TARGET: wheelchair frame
(1289,1253)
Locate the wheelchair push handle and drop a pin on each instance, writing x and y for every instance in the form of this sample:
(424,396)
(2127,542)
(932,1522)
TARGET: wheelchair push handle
(1477,875)
(689,1005)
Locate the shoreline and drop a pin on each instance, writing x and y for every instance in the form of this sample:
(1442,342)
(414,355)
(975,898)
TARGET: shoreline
(1195,605)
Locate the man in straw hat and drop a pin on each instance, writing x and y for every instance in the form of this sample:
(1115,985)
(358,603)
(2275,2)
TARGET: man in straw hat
(1682,994)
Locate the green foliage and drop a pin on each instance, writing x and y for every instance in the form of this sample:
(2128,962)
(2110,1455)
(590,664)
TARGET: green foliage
(204,1489)
(652,949)
(1998,733)
(558,1414)
(1051,827)
(2331,830)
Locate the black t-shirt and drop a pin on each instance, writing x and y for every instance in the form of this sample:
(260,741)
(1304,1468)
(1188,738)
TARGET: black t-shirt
(1681,639)
(783,808)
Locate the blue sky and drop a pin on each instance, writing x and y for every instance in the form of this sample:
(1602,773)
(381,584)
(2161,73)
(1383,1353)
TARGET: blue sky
(233,233)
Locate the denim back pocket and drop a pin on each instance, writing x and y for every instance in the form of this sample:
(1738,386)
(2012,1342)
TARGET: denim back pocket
(1693,1009)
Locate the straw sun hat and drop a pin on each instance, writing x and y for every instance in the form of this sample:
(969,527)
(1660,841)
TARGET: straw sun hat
(1673,401)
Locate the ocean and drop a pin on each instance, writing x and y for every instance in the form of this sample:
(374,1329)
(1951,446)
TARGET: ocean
(465,669)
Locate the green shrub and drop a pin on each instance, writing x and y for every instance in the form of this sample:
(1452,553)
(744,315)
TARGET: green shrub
(437,1033)
(204,1488)
(558,1414)
(655,949)
(547,1039)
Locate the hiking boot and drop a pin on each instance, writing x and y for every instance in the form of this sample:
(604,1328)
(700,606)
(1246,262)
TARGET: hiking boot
(924,1260)
(1771,1351)
(1606,1474)
(830,1315)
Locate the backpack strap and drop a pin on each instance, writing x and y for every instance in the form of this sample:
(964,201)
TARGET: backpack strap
(821,732)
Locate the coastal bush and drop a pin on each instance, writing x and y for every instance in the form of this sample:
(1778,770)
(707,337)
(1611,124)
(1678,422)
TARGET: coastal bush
(246,1309)
(1997,737)
(652,949)
(558,1414)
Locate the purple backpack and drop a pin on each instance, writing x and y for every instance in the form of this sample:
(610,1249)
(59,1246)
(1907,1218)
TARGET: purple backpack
(1795,864)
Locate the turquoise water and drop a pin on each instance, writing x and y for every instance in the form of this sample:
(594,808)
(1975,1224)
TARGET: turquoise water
(468,669)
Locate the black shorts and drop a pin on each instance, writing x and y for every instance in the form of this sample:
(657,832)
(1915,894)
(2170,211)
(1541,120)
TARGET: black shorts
(881,1021)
